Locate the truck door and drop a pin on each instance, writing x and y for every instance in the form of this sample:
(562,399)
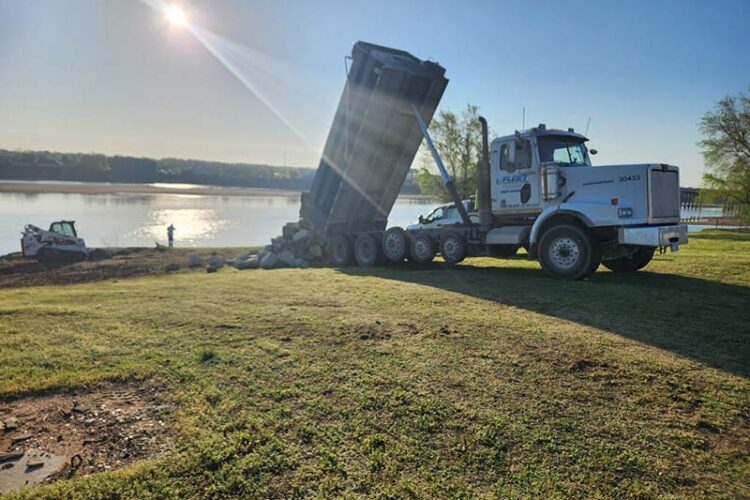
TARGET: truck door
(515,180)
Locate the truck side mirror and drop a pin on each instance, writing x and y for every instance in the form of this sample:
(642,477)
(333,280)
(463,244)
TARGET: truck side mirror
(421,219)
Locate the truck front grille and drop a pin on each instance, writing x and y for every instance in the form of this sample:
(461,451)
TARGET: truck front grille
(665,194)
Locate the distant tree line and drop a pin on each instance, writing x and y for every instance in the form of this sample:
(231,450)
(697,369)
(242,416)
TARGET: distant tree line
(81,167)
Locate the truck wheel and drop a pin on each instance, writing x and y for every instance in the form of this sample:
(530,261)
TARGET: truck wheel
(366,250)
(637,260)
(340,251)
(568,252)
(395,244)
(453,248)
(422,249)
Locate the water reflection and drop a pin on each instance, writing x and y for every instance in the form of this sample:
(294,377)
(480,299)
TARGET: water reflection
(191,224)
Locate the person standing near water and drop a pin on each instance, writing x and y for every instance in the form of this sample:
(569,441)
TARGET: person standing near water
(170,235)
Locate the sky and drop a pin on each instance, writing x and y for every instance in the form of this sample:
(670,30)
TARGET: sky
(113,76)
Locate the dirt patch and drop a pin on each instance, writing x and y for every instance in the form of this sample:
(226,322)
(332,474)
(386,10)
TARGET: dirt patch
(110,263)
(81,433)
(378,330)
(583,365)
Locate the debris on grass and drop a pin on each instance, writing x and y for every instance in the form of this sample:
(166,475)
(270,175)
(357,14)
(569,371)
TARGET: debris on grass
(82,433)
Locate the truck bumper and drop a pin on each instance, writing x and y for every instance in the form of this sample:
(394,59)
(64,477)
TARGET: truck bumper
(654,236)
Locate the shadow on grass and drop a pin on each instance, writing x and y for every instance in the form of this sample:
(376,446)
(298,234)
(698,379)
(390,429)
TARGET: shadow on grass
(704,320)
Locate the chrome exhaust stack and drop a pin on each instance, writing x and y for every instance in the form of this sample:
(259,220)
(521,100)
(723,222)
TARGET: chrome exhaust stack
(484,180)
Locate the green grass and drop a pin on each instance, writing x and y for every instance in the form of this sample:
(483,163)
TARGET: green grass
(484,380)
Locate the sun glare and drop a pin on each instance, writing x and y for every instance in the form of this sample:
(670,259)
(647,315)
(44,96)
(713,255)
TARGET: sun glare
(175,15)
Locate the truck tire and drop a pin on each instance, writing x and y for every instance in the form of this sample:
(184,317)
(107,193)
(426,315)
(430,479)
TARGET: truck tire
(568,252)
(395,244)
(638,260)
(422,249)
(366,250)
(453,248)
(340,251)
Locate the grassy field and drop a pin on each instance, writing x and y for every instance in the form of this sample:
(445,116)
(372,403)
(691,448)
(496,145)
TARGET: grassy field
(488,379)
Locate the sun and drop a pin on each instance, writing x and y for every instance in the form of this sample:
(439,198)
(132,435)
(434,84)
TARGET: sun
(175,15)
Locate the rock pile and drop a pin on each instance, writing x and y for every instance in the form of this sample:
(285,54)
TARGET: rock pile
(298,246)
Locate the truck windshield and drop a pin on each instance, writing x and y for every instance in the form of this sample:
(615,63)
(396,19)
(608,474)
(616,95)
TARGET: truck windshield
(565,150)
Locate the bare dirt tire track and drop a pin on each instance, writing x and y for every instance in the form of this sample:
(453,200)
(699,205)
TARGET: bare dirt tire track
(113,263)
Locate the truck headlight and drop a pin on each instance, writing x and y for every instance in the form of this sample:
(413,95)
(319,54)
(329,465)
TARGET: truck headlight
(624,212)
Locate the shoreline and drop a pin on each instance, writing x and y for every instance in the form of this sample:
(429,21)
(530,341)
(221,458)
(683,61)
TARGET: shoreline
(115,188)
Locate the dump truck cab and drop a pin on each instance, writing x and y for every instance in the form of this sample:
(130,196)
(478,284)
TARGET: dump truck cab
(517,162)
(543,178)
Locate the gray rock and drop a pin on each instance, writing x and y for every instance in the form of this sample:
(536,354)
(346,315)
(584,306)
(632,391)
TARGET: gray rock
(33,467)
(172,267)
(242,257)
(195,260)
(216,261)
(19,438)
(11,455)
(269,261)
(288,258)
(10,424)
(315,251)
(249,263)
(79,408)
(289,229)
(300,235)
(211,269)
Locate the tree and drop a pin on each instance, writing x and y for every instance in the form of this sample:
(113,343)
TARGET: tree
(726,151)
(93,162)
(458,139)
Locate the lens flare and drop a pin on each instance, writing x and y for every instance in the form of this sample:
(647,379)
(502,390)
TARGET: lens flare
(228,54)
(176,15)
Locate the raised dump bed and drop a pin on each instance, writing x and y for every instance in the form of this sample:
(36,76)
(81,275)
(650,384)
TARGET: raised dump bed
(373,139)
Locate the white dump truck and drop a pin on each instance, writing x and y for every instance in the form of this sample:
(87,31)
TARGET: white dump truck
(536,188)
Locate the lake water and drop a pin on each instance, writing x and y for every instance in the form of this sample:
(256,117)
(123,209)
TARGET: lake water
(131,219)
(134,219)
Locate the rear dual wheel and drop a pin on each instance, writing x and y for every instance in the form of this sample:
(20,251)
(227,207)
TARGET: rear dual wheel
(453,248)
(367,251)
(340,250)
(422,249)
(396,244)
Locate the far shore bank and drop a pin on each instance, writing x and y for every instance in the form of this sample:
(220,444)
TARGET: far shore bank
(115,188)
